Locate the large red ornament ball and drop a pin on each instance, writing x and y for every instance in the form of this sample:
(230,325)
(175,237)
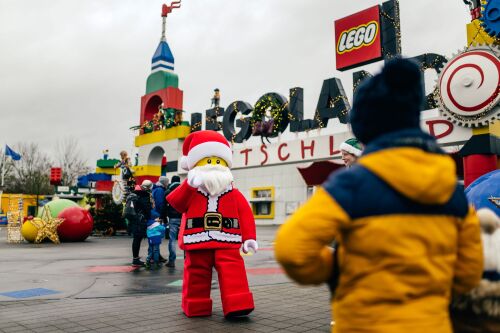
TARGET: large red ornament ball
(77,225)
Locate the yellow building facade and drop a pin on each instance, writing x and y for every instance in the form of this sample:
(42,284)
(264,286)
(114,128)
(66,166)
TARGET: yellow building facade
(11,202)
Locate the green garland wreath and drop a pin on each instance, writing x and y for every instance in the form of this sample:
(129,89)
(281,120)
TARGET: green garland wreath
(278,107)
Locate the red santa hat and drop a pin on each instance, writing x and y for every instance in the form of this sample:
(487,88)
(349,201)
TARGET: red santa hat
(201,144)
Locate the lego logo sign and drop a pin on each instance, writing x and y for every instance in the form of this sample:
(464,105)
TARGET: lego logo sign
(357,39)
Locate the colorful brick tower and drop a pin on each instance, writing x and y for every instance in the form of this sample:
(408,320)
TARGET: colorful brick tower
(481,153)
(161,113)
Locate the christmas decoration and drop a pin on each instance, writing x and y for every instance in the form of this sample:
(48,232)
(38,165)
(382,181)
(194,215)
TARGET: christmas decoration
(243,122)
(107,216)
(29,231)
(202,145)
(217,220)
(196,121)
(468,87)
(14,219)
(118,192)
(211,122)
(77,225)
(270,115)
(57,205)
(352,146)
(332,103)
(47,226)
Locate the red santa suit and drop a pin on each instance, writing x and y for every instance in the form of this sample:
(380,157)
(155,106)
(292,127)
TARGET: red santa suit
(212,231)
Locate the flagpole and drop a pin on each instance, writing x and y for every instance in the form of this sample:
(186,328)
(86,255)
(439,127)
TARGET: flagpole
(3,170)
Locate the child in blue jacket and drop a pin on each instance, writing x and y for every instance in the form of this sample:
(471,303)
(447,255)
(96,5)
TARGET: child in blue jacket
(155,232)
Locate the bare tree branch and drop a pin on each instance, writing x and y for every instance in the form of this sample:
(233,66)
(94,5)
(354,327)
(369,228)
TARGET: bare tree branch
(29,175)
(70,159)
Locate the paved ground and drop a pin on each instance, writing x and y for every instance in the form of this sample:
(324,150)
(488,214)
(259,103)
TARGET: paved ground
(77,287)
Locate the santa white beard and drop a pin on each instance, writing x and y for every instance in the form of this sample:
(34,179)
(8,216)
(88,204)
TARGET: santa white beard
(215,178)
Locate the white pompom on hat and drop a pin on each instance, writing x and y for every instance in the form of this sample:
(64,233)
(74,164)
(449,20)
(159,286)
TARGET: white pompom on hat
(352,146)
(201,144)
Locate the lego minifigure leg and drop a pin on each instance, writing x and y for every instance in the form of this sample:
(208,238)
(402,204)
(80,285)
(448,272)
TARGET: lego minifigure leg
(237,300)
(196,301)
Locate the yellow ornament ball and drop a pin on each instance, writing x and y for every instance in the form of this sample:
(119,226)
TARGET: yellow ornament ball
(29,231)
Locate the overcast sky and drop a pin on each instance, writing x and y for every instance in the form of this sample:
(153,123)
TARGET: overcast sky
(79,68)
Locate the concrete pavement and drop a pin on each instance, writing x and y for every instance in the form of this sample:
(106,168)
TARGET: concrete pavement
(90,286)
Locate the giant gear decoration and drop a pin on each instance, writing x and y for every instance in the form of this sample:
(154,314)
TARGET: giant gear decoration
(118,193)
(490,18)
(468,87)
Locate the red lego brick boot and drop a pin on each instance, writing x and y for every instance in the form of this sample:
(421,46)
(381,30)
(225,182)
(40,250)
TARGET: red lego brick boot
(196,301)
(237,300)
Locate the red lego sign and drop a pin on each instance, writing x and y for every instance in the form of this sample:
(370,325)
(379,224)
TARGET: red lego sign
(55,176)
(357,39)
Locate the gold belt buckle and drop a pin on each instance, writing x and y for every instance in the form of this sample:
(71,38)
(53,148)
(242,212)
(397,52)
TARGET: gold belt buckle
(213,221)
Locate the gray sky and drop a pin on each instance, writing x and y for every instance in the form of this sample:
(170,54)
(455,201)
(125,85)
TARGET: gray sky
(79,68)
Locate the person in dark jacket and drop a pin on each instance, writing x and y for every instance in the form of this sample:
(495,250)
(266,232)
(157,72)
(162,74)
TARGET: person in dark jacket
(174,220)
(142,204)
(159,193)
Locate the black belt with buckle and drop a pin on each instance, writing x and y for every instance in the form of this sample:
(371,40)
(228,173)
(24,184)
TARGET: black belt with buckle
(212,222)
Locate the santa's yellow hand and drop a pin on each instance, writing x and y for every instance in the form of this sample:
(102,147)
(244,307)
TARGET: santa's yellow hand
(211,160)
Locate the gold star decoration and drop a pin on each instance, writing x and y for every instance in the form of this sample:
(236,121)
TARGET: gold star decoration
(47,226)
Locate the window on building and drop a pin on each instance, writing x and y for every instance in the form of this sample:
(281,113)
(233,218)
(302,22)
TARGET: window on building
(262,200)
(262,208)
(32,210)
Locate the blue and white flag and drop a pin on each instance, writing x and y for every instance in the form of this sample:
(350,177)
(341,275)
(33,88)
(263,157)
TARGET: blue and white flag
(9,152)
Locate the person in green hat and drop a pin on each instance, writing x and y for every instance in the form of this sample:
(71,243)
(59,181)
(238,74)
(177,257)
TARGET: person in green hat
(351,149)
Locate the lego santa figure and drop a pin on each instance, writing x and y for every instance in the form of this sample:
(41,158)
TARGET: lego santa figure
(217,220)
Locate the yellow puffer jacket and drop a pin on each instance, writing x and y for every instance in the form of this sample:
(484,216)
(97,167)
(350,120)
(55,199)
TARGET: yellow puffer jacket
(407,239)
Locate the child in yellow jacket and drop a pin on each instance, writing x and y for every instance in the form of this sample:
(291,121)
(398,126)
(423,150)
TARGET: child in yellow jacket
(407,238)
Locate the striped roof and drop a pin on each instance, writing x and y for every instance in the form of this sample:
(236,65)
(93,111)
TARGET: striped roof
(163,59)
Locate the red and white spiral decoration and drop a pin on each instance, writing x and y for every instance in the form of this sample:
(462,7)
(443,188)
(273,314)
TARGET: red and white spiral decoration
(469,87)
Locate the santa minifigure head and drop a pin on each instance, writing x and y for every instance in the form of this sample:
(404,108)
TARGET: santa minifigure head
(208,156)
(201,145)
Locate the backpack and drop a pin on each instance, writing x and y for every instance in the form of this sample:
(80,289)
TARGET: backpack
(129,210)
(171,212)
